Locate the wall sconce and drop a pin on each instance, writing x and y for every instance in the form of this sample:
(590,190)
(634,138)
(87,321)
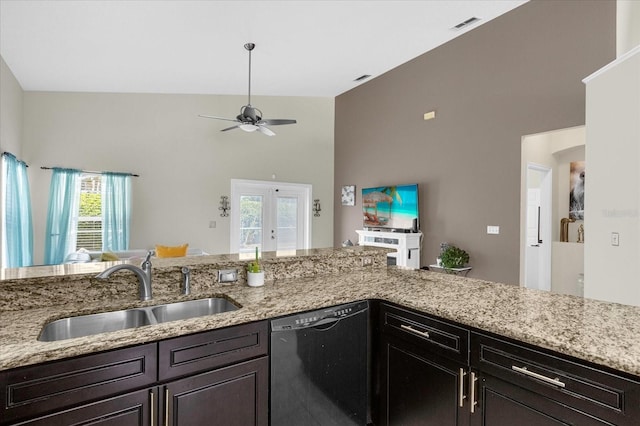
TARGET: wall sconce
(316,207)
(224,206)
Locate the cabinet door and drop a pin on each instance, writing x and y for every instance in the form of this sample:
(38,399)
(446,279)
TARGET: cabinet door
(132,409)
(232,396)
(503,404)
(420,389)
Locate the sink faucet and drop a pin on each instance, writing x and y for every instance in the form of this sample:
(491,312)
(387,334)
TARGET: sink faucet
(143,273)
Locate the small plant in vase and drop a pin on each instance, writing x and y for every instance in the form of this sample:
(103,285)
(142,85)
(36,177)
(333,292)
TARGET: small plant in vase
(454,257)
(255,274)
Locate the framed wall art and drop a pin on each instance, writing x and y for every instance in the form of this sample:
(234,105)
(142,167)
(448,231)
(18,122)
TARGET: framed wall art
(349,195)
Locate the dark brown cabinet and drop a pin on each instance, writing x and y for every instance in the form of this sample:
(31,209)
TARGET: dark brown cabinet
(46,388)
(523,384)
(225,377)
(231,396)
(132,409)
(423,370)
(209,378)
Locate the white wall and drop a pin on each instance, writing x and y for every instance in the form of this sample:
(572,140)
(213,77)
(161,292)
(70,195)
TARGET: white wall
(612,200)
(627,25)
(185,163)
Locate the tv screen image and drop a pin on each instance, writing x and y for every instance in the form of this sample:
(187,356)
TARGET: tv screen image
(390,207)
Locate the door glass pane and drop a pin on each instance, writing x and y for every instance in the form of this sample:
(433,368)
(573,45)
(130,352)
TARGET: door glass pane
(287,221)
(251,223)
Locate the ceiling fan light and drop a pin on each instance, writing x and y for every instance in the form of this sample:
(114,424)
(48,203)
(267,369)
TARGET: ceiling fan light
(248,127)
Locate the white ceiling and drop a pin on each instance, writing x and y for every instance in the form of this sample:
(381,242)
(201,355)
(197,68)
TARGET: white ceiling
(303,48)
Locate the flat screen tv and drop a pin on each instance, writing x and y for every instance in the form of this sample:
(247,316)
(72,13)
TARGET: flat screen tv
(391,208)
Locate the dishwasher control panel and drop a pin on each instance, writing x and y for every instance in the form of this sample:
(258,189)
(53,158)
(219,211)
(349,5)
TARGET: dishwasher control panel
(320,317)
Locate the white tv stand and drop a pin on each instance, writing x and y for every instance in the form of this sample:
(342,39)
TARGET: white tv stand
(407,245)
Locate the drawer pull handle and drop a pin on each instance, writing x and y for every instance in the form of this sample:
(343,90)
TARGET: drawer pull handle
(472,393)
(461,388)
(549,380)
(414,331)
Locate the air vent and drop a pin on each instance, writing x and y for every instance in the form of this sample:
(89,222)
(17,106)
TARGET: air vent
(362,77)
(466,23)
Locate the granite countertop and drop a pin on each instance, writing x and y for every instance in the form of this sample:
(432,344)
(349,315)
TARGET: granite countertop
(603,333)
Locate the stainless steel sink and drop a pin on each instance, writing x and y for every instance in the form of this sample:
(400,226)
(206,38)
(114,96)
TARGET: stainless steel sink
(192,309)
(87,325)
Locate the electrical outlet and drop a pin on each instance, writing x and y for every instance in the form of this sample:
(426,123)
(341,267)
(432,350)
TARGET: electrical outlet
(227,275)
(493,230)
(615,239)
(367,261)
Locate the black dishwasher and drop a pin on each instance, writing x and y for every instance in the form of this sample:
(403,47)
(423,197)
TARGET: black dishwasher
(319,367)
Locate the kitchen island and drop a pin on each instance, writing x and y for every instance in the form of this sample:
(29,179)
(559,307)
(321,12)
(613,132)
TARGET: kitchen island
(606,334)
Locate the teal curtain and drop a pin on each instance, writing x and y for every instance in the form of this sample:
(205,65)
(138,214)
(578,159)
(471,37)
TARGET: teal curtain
(18,226)
(116,211)
(64,205)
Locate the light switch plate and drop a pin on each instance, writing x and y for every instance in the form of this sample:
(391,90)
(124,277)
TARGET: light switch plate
(615,239)
(493,230)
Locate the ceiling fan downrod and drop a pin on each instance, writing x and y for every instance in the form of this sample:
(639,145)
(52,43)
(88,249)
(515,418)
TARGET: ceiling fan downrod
(249,47)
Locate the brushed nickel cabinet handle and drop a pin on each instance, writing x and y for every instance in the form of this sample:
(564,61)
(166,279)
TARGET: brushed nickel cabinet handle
(549,380)
(472,391)
(414,331)
(167,398)
(461,394)
(152,400)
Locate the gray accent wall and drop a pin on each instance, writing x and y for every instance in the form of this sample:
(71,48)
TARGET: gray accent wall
(516,75)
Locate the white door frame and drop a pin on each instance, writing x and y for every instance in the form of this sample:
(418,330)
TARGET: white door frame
(542,262)
(243,186)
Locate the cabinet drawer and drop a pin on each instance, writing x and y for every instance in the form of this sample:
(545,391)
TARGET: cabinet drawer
(43,388)
(436,336)
(132,409)
(205,351)
(586,388)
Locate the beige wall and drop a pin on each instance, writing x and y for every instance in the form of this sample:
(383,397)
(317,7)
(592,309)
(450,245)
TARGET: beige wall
(10,118)
(10,111)
(516,75)
(185,163)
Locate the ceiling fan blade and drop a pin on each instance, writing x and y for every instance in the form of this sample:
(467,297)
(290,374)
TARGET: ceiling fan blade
(265,130)
(277,121)
(230,128)
(217,118)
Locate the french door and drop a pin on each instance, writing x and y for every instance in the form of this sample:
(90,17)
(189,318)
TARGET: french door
(272,216)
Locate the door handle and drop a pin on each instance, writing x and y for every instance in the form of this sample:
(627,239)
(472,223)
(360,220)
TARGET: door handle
(461,394)
(152,401)
(472,391)
(167,414)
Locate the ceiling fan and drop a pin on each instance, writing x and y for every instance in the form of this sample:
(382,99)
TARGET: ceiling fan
(250,118)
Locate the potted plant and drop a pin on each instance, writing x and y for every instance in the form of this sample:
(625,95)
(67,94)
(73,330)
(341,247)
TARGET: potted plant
(454,257)
(255,274)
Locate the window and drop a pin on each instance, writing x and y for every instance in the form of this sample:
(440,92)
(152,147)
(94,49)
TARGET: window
(87,210)
(89,220)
